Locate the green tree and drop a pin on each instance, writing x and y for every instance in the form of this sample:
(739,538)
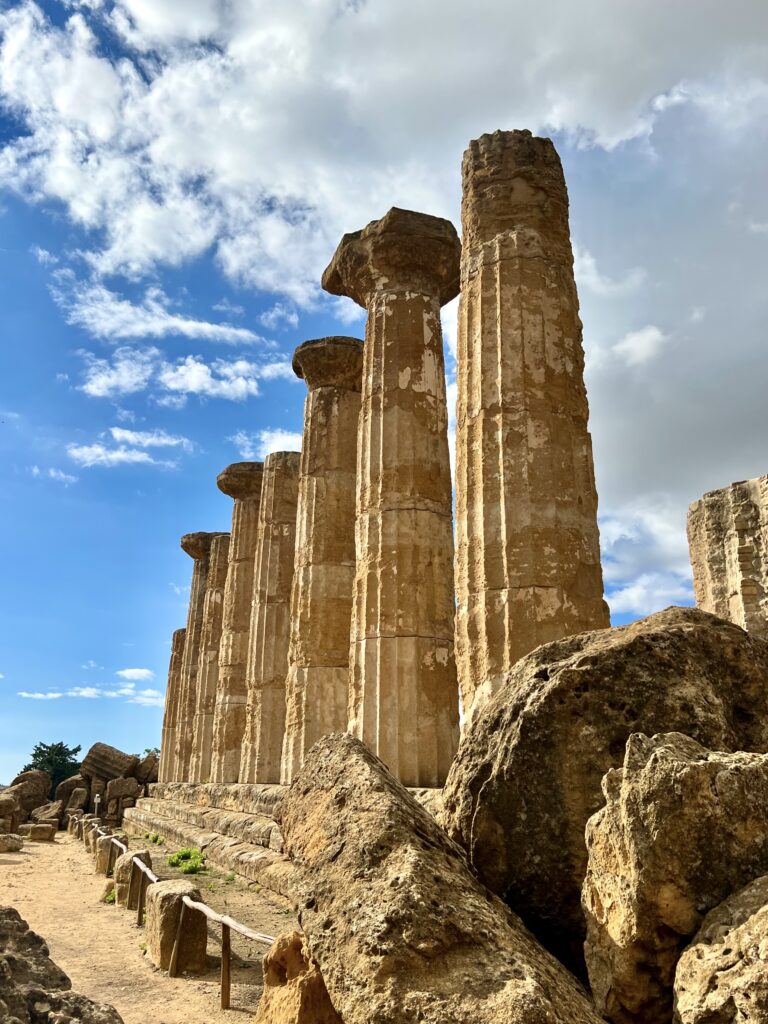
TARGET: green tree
(59,760)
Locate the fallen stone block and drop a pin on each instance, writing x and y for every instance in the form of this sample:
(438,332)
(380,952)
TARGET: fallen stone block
(65,789)
(48,814)
(122,876)
(682,829)
(529,768)
(294,990)
(10,843)
(163,907)
(398,925)
(105,762)
(30,789)
(38,833)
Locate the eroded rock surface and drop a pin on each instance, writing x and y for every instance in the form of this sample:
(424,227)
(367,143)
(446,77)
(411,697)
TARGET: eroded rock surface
(105,762)
(529,769)
(399,927)
(722,977)
(30,790)
(682,829)
(33,990)
(294,990)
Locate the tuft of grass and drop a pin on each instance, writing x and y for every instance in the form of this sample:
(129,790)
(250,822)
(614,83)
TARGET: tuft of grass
(189,861)
(230,877)
(110,897)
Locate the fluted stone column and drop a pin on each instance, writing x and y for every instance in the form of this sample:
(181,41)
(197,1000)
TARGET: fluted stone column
(171,712)
(242,482)
(528,556)
(403,690)
(198,547)
(270,620)
(728,541)
(317,685)
(208,664)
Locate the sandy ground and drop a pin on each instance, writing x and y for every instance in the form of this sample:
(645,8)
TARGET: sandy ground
(54,887)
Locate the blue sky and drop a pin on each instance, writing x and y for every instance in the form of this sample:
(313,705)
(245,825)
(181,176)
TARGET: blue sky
(173,179)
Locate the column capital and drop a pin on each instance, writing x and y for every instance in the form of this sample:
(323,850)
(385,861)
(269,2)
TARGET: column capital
(241,479)
(336,361)
(198,545)
(404,251)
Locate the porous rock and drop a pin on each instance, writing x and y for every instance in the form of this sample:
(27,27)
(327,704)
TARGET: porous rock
(398,925)
(294,990)
(722,977)
(38,833)
(146,769)
(117,789)
(164,903)
(682,829)
(48,814)
(11,814)
(122,875)
(105,762)
(33,990)
(65,789)
(10,843)
(78,800)
(30,789)
(529,768)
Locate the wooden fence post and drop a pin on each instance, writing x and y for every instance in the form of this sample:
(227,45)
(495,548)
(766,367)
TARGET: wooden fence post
(226,952)
(174,964)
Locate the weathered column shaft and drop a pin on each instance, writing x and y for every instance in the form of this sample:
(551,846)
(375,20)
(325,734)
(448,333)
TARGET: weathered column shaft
(403,691)
(270,620)
(728,542)
(317,685)
(208,660)
(171,712)
(241,481)
(197,546)
(528,555)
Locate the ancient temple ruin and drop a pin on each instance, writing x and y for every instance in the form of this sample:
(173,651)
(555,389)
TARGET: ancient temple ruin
(728,542)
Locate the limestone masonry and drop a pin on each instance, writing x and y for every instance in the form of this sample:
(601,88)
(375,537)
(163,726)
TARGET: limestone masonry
(528,554)
(728,541)
(403,694)
(324,571)
(172,695)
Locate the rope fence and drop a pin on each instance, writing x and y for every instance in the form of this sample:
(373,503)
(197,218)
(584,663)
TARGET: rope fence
(142,877)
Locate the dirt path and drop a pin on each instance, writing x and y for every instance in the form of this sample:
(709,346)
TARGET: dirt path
(53,886)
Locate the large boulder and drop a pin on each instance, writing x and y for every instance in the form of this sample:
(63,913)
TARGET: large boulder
(164,903)
(528,771)
(48,814)
(682,829)
(147,768)
(30,789)
(78,800)
(65,789)
(10,843)
(105,762)
(122,876)
(294,991)
(722,977)
(11,814)
(398,925)
(33,990)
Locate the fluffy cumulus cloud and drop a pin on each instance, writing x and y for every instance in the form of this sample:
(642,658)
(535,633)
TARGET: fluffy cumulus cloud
(256,133)
(127,692)
(136,674)
(260,444)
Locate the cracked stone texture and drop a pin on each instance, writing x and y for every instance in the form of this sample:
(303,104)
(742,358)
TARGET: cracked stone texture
(198,547)
(728,542)
(208,664)
(527,545)
(29,790)
(294,990)
(317,686)
(171,711)
(722,977)
(242,481)
(403,688)
(105,762)
(682,829)
(270,620)
(529,768)
(399,926)
(33,990)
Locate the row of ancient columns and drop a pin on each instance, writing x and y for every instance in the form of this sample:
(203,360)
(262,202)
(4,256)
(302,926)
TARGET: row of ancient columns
(332,605)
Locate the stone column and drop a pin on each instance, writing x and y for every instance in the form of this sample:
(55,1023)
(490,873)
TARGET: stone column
(241,481)
(728,541)
(317,685)
(528,556)
(270,620)
(198,547)
(171,713)
(403,691)
(208,660)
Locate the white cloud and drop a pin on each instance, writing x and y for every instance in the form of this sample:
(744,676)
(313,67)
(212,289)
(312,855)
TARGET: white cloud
(87,692)
(127,372)
(35,470)
(758,227)
(62,477)
(2,676)
(232,308)
(99,455)
(639,347)
(39,696)
(105,315)
(279,314)
(149,698)
(44,257)
(650,592)
(136,674)
(90,664)
(150,438)
(589,276)
(261,443)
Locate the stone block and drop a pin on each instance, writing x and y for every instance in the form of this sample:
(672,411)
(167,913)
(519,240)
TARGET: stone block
(10,843)
(105,762)
(122,876)
(163,907)
(294,991)
(39,833)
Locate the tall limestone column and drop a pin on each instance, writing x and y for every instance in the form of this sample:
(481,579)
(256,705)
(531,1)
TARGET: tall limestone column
(317,686)
(242,482)
(728,541)
(528,555)
(270,620)
(208,664)
(171,713)
(198,547)
(403,690)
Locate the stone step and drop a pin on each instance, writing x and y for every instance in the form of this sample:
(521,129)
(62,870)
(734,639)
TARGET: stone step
(258,829)
(245,798)
(266,866)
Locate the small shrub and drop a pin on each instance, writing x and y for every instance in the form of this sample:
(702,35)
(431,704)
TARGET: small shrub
(110,897)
